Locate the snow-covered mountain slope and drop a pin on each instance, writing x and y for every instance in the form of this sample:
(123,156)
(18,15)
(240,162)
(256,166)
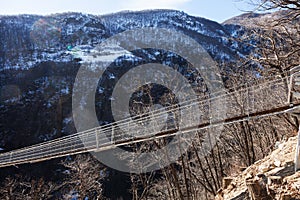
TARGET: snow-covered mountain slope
(254,20)
(28,40)
(40,56)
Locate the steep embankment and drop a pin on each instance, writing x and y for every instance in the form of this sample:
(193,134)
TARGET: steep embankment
(270,178)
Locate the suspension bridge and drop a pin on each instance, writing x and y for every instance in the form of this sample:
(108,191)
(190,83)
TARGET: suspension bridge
(265,97)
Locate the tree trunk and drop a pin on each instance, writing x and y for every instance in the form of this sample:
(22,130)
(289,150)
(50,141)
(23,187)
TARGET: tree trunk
(297,156)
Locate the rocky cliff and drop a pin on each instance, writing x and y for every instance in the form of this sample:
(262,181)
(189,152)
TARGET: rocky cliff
(270,178)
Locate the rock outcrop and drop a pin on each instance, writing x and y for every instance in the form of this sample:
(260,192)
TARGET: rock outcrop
(270,178)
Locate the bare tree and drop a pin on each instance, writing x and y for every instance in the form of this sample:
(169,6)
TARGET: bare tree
(84,177)
(20,187)
(278,41)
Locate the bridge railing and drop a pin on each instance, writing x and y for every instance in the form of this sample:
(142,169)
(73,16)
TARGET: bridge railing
(294,96)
